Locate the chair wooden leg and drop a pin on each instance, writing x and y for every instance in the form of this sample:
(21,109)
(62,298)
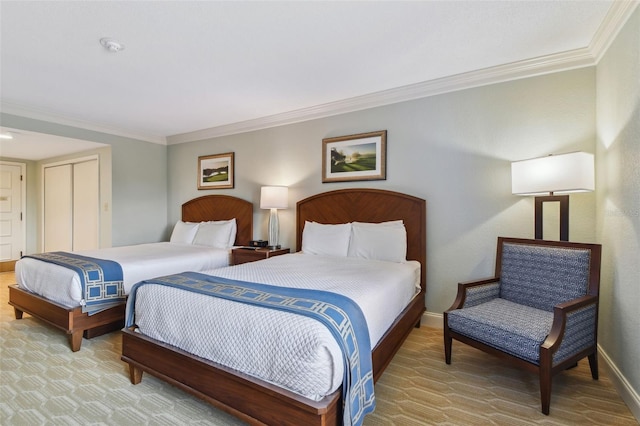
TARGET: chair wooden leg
(447,342)
(593,364)
(447,349)
(545,392)
(545,379)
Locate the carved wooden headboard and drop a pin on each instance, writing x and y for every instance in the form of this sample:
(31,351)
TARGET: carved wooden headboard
(222,207)
(369,205)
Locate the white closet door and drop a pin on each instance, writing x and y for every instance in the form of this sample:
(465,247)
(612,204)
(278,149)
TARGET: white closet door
(86,205)
(58,208)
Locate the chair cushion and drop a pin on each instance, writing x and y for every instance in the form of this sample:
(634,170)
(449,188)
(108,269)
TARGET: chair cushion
(510,327)
(543,276)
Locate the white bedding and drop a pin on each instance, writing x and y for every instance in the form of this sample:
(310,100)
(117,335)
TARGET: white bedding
(291,351)
(139,262)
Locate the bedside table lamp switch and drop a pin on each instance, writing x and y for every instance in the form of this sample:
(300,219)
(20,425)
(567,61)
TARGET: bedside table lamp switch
(274,198)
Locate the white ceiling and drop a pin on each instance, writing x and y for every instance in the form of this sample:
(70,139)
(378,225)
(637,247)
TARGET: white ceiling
(34,146)
(192,69)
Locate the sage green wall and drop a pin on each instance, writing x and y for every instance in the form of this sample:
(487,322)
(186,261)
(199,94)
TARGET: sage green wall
(618,204)
(454,150)
(139,180)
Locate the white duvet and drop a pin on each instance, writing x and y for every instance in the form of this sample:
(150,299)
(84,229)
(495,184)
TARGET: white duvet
(139,262)
(289,350)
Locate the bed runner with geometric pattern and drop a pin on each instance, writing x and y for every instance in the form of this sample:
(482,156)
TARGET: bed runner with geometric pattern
(101,280)
(341,315)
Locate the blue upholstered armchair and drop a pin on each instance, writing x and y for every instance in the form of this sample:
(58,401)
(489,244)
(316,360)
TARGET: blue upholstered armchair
(539,311)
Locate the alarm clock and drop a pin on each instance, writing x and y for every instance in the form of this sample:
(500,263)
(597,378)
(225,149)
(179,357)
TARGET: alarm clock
(258,243)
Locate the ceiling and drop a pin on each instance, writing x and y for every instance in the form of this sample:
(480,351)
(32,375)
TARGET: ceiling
(196,69)
(26,145)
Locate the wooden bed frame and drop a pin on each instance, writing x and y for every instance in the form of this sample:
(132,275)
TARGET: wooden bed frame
(78,324)
(256,401)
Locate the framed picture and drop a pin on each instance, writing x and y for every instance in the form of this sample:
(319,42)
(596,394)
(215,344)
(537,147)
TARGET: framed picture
(215,171)
(355,157)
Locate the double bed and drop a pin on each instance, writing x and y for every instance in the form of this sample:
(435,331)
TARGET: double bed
(53,293)
(229,376)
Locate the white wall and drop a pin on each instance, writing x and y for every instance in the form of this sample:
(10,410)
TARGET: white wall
(453,150)
(618,205)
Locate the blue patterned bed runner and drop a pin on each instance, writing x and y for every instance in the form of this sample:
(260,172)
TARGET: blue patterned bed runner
(101,280)
(341,315)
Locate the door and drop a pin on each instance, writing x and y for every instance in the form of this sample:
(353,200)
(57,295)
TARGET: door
(86,205)
(58,208)
(71,220)
(12,232)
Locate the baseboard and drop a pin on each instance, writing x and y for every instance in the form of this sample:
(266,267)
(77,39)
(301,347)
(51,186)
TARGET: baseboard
(8,266)
(432,319)
(626,392)
(624,389)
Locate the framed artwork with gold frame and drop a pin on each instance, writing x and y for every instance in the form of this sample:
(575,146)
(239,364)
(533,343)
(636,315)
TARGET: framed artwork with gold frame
(355,157)
(215,171)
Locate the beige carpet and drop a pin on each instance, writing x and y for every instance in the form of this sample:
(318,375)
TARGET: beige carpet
(43,382)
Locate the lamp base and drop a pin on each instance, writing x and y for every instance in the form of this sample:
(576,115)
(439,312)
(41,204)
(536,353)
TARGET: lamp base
(564,215)
(274,230)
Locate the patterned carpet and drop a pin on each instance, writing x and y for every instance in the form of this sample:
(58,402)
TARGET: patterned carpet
(43,382)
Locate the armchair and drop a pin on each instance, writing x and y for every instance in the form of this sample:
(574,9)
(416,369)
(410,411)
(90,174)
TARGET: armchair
(539,311)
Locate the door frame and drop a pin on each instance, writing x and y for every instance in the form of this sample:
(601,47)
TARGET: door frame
(9,265)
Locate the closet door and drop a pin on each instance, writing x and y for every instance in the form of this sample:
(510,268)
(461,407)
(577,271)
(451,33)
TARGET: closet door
(86,205)
(71,206)
(58,208)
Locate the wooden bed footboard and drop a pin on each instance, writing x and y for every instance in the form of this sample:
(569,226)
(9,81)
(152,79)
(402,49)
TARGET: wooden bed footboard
(70,320)
(250,399)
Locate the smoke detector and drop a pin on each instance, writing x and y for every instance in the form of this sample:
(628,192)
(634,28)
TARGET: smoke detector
(111,45)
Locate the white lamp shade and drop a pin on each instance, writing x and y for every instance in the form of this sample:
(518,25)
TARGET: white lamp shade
(274,197)
(564,173)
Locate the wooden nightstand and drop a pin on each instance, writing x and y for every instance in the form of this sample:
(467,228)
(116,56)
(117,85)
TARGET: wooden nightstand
(241,255)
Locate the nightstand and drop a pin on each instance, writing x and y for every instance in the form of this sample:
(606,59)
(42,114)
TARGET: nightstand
(242,255)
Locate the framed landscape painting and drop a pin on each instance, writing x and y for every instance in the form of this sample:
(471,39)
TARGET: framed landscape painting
(215,171)
(355,157)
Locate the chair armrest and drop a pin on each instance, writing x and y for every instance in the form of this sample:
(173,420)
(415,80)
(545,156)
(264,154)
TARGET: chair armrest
(574,328)
(473,293)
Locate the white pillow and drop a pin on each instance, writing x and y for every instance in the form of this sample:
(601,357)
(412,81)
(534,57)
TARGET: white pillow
(219,234)
(328,240)
(184,232)
(379,241)
(232,234)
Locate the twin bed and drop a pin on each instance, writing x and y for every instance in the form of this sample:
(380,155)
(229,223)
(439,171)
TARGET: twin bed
(275,366)
(53,293)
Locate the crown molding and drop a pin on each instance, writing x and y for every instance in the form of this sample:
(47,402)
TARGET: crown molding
(613,22)
(578,58)
(39,114)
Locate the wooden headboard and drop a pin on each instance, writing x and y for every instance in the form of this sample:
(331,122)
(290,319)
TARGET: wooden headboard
(369,205)
(222,207)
